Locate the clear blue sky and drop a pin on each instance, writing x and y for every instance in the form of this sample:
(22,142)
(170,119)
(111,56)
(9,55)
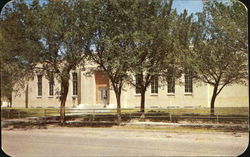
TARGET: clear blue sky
(192,6)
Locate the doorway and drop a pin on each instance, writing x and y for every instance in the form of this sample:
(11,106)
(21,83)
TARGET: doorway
(102,88)
(103,95)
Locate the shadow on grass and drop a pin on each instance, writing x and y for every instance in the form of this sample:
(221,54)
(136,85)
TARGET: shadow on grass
(40,125)
(110,120)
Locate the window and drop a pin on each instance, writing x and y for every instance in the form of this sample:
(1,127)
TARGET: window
(171,84)
(39,85)
(188,81)
(138,80)
(154,85)
(51,86)
(74,83)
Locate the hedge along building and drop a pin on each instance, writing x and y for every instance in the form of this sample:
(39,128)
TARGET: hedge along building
(95,91)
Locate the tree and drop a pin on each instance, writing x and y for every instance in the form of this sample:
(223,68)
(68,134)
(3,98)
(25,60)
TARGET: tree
(154,52)
(13,48)
(112,42)
(219,55)
(53,38)
(64,33)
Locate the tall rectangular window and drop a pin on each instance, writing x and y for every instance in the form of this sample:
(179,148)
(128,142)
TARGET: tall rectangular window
(138,80)
(74,83)
(51,86)
(154,85)
(188,81)
(39,85)
(171,84)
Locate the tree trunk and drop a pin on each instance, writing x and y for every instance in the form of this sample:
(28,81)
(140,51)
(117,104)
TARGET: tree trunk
(118,99)
(143,91)
(117,89)
(63,101)
(62,112)
(27,96)
(11,101)
(213,100)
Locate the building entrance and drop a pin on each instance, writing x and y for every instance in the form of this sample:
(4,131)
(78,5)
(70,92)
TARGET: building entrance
(102,88)
(103,95)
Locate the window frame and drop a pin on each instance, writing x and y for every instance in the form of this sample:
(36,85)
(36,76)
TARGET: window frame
(188,82)
(74,84)
(154,83)
(51,87)
(39,85)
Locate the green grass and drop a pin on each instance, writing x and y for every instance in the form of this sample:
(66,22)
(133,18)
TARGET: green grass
(38,112)
(130,110)
(29,112)
(224,111)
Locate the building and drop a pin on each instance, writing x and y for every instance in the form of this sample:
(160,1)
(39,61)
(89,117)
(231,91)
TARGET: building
(95,91)
(5,102)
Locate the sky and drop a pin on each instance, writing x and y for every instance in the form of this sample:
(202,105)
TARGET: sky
(192,6)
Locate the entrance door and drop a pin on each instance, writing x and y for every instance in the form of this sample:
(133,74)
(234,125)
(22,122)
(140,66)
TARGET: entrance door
(103,95)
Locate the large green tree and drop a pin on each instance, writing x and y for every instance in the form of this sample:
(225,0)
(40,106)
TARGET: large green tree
(155,52)
(219,54)
(136,38)
(15,68)
(53,37)
(113,41)
(64,33)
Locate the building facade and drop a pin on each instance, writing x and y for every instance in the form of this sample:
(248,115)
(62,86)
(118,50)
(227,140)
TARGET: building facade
(95,91)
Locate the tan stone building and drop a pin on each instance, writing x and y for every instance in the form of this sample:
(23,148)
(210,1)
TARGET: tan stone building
(94,91)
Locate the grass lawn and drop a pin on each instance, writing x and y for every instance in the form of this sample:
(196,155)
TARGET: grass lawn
(38,112)
(223,111)
(30,112)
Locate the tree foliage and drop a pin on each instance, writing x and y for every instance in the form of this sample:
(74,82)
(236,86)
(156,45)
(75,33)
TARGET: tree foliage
(15,68)
(160,38)
(113,41)
(124,38)
(219,55)
(51,37)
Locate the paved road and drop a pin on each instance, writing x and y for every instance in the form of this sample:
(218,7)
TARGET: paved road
(119,142)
